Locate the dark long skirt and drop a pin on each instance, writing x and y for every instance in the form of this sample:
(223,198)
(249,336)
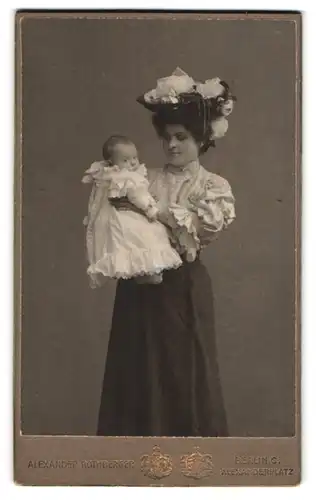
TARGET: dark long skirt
(161,376)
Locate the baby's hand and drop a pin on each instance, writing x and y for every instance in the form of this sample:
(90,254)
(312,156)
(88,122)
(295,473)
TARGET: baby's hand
(152,213)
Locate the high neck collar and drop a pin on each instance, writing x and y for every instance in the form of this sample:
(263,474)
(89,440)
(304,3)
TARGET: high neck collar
(189,168)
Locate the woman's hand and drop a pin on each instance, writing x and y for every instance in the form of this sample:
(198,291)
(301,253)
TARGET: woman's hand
(163,217)
(152,213)
(124,204)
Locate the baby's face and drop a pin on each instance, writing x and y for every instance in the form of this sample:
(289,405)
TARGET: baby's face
(125,156)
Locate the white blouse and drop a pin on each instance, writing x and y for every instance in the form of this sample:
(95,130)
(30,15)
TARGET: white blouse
(194,203)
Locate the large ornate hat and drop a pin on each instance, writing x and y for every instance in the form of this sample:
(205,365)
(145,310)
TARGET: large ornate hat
(212,99)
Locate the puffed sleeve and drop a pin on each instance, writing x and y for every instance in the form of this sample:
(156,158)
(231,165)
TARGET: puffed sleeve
(214,207)
(210,209)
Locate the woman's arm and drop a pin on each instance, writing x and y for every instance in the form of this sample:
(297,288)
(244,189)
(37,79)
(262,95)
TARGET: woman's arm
(207,213)
(124,204)
(214,208)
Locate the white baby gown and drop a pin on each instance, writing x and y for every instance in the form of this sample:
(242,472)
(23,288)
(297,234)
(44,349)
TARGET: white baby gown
(124,243)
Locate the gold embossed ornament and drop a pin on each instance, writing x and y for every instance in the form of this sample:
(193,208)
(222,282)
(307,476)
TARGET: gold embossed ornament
(196,465)
(156,465)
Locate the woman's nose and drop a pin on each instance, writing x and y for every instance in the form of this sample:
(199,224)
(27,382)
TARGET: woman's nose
(172,143)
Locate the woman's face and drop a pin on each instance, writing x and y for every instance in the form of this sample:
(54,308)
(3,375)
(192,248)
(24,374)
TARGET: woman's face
(179,145)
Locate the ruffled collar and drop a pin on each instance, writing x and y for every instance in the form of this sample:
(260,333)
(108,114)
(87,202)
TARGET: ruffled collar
(184,172)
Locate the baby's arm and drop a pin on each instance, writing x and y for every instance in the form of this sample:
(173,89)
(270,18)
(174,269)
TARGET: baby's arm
(141,198)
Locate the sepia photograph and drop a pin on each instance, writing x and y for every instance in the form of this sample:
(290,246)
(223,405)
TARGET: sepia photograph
(157,248)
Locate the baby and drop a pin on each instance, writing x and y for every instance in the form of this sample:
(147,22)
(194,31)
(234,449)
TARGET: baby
(127,242)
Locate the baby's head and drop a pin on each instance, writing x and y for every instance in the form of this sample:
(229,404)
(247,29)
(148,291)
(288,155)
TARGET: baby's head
(121,151)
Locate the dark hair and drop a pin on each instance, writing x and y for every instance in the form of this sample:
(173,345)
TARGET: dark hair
(111,142)
(187,116)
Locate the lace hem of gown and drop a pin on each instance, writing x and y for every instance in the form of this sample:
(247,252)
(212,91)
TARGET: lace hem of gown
(140,262)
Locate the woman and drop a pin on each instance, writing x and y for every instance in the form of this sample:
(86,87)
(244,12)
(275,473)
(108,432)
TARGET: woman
(162,375)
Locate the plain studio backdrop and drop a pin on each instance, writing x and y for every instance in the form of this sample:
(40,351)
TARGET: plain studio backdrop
(81,78)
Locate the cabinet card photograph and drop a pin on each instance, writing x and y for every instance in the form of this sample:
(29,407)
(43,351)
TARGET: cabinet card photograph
(157,248)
